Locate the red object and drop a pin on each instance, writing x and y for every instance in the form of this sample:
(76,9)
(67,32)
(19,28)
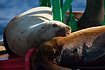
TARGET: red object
(28,63)
(18,63)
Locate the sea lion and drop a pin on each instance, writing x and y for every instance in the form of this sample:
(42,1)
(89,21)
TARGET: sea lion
(35,15)
(69,51)
(97,50)
(20,42)
(93,14)
(43,59)
(32,28)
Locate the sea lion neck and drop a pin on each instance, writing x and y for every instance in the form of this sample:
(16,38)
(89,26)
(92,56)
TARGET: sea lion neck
(58,41)
(48,51)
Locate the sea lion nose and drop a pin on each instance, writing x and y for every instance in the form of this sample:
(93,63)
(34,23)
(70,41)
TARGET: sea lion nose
(69,28)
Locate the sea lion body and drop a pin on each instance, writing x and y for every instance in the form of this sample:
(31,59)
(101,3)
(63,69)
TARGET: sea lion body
(76,45)
(97,51)
(69,51)
(31,28)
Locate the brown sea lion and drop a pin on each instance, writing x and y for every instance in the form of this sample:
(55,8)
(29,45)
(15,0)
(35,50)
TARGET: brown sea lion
(32,28)
(69,51)
(44,58)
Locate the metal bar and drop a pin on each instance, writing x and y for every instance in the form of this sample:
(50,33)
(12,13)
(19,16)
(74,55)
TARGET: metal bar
(45,3)
(104,14)
(40,2)
(48,3)
(72,22)
(61,3)
(65,7)
(56,8)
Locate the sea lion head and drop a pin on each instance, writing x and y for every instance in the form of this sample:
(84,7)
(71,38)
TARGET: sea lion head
(47,30)
(49,51)
(55,29)
(48,57)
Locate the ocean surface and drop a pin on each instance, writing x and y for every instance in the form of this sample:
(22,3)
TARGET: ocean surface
(11,8)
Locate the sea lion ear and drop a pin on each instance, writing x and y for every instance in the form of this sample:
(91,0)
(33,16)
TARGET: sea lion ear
(97,50)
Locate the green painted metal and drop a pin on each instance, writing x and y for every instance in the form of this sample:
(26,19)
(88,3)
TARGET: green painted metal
(65,7)
(104,14)
(56,8)
(61,3)
(72,22)
(104,21)
(59,10)
(46,3)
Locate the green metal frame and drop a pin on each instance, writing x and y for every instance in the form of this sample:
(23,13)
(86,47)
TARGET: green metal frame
(104,14)
(45,3)
(72,22)
(59,10)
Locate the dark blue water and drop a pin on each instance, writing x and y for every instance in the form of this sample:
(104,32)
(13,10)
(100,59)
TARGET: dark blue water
(11,8)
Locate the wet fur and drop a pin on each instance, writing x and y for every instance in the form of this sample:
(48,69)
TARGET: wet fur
(69,51)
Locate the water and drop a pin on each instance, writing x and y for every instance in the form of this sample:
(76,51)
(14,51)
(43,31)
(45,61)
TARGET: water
(11,8)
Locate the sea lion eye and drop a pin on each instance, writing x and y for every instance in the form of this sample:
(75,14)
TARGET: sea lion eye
(54,25)
(43,27)
(56,52)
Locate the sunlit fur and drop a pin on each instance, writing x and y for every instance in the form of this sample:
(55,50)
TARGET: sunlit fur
(32,28)
(58,45)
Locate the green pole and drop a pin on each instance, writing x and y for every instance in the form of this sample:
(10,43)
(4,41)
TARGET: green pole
(45,3)
(72,22)
(104,14)
(61,3)
(65,7)
(56,8)
(48,3)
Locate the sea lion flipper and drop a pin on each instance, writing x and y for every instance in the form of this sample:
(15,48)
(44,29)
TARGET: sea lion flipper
(97,50)
(50,66)
(93,54)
